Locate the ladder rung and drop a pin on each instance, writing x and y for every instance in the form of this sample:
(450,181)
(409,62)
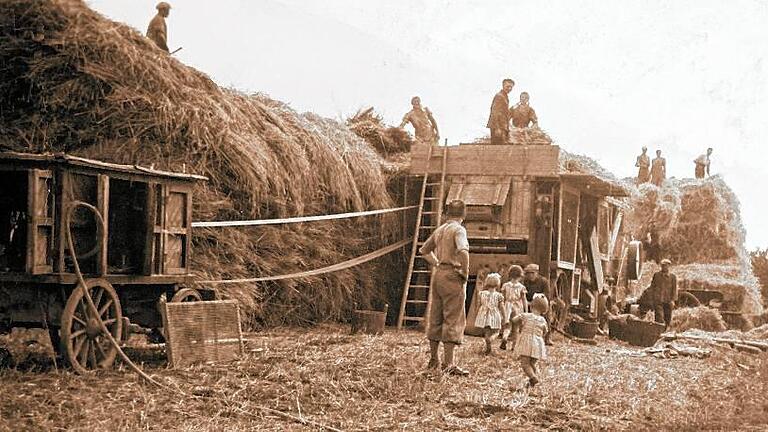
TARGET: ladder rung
(427,226)
(433,184)
(428,212)
(421,271)
(417,301)
(408,318)
(431,198)
(419,286)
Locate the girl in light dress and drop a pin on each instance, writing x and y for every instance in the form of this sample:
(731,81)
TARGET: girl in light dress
(530,346)
(515,303)
(491,315)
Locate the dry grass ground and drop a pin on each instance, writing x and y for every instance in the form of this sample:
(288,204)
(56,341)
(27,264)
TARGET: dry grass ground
(374,383)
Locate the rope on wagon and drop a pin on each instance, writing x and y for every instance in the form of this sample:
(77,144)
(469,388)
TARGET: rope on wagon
(218,224)
(332,268)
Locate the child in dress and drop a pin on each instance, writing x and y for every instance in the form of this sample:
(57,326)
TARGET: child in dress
(490,315)
(515,303)
(530,346)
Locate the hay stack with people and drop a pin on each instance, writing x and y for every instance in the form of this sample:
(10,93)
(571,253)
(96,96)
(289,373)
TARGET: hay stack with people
(74,81)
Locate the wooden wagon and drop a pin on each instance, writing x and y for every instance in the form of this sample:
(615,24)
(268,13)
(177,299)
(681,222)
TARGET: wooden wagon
(136,256)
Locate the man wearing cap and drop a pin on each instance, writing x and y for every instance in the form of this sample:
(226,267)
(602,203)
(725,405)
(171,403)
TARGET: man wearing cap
(643,165)
(424,124)
(536,284)
(702,164)
(498,121)
(664,289)
(447,250)
(157,30)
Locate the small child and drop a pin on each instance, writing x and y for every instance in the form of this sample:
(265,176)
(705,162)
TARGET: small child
(490,315)
(515,303)
(530,346)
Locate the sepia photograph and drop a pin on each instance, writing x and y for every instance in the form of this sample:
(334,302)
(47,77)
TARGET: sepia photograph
(400,215)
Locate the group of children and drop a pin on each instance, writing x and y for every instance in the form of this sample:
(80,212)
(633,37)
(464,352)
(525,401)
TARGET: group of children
(505,309)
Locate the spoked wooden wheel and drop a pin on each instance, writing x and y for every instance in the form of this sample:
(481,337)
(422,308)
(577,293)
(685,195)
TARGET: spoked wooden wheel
(186,295)
(84,345)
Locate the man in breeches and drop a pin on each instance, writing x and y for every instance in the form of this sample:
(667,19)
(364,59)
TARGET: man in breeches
(447,250)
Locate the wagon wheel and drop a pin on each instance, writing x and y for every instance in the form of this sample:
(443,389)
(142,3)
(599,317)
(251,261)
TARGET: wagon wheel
(83,344)
(185,295)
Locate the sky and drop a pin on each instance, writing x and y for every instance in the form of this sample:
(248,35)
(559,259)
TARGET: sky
(605,77)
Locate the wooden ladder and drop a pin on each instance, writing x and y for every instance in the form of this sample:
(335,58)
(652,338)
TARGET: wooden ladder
(417,292)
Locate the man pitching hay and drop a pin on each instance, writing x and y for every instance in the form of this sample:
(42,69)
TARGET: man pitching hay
(523,115)
(702,164)
(447,249)
(158,30)
(498,121)
(424,124)
(658,169)
(643,165)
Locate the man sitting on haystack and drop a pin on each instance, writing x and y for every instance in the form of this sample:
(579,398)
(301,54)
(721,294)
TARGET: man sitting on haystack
(158,30)
(523,115)
(447,249)
(424,124)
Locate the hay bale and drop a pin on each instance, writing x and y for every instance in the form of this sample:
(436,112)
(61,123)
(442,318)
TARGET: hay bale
(700,317)
(385,139)
(75,81)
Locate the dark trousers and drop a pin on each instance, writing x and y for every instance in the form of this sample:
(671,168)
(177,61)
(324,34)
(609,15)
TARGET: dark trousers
(663,310)
(499,136)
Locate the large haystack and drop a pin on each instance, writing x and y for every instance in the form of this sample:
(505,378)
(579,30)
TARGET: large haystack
(75,81)
(699,228)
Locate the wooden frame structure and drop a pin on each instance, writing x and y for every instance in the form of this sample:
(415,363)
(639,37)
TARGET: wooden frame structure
(139,253)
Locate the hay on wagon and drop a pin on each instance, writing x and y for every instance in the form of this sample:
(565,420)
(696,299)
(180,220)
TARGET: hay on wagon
(77,82)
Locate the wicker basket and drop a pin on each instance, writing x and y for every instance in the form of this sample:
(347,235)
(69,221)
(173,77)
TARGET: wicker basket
(584,329)
(369,321)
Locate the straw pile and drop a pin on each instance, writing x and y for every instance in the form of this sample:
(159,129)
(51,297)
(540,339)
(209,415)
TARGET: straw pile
(521,136)
(529,136)
(700,317)
(699,227)
(75,81)
(375,383)
(387,140)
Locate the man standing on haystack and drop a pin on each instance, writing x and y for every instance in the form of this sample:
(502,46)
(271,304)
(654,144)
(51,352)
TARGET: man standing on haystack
(664,287)
(447,250)
(536,284)
(523,115)
(424,124)
(498,121)
(158,30)
(658,169)
(643,165)
(702,164)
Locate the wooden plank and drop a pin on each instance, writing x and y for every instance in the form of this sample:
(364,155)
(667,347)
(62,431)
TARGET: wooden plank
(499,160)
(597,263)
(102,201)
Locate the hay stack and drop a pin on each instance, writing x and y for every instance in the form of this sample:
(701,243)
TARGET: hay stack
(698,220)
(700,229)
(387,140)
(75,81)
(700,317)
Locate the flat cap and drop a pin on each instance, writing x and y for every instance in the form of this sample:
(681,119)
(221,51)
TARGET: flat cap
(532,268)
(666,261)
